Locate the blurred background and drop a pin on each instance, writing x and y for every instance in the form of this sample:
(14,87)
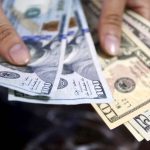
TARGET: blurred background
(50,127)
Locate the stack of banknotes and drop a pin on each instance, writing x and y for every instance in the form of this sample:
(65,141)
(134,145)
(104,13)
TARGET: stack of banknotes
(65,68)
(128,75)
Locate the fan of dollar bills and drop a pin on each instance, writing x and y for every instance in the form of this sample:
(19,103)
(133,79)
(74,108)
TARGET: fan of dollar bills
(65,68)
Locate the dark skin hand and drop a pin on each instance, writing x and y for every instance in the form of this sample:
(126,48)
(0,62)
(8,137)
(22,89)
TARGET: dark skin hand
(12,47)
(14,50)
(111,20)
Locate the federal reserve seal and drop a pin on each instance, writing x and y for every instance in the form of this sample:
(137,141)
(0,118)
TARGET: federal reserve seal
(9,75)
(125,85)
(62,83)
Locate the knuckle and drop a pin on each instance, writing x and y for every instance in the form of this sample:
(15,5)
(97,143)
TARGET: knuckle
(6,32)
(113,19)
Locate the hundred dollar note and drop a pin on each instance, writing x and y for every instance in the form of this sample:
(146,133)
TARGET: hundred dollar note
(81,80)
(47,48)
(30,9)
(81,69)
(43,25)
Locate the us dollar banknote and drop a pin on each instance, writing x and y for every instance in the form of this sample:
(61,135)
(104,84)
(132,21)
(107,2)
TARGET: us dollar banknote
(44,25)
(81,74)
(81,68)
(142,124)
(47,48)
(127,75)
(138,25)
(134,131)
(141,29)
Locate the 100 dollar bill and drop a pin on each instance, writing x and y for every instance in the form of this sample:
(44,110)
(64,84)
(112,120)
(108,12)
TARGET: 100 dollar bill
(41,75)
(45,24)
(81,74)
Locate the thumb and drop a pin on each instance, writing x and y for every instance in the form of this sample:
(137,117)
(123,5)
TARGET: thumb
(12,47)
(110,25)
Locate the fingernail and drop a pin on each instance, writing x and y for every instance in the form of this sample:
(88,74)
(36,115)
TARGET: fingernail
(112,45)
(19,54)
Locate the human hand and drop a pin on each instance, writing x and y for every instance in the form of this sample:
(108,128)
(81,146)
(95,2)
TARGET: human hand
(111,20)
(12,47)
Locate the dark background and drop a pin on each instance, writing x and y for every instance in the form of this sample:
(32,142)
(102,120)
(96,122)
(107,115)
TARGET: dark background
(50,127)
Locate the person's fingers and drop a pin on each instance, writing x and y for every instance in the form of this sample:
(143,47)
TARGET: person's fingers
(110,25)
(141,7)
(11,46)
